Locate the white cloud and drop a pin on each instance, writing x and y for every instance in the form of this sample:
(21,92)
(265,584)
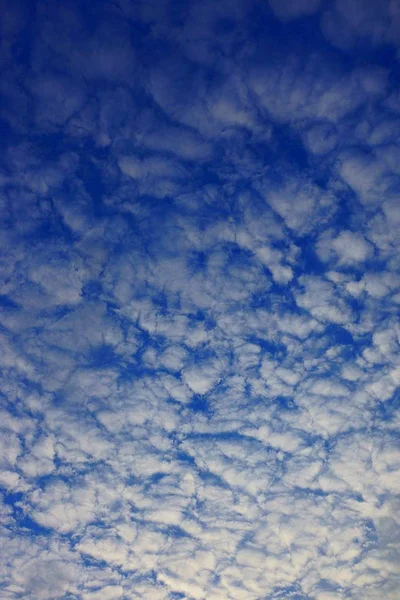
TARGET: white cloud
(292,93)
(321,299)
(347,247)
(201,378)
(302,205)
(367,175)
(184,143)
(109,592)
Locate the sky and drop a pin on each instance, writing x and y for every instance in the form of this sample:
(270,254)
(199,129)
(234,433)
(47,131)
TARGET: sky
(199,300)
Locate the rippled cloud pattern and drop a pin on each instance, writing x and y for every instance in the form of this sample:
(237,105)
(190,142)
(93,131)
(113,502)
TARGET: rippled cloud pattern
(199,300)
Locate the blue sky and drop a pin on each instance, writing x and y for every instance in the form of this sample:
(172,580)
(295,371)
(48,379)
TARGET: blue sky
(200,291)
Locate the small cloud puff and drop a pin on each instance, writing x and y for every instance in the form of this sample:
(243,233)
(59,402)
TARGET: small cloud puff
(347,248)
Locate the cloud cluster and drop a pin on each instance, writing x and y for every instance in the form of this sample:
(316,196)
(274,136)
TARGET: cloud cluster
(199,296)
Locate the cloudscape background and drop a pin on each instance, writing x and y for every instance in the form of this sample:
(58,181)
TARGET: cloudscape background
(200,290)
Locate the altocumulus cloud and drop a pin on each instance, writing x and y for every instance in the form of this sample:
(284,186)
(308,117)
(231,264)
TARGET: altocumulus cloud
(200,290)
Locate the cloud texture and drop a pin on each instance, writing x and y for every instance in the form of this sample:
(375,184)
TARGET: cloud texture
(199,301)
